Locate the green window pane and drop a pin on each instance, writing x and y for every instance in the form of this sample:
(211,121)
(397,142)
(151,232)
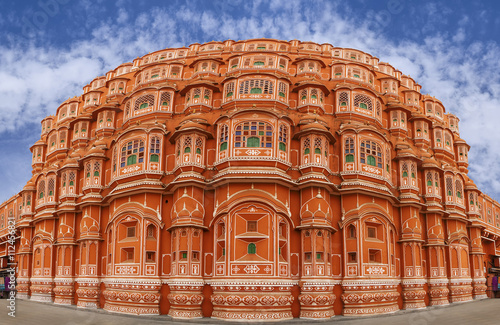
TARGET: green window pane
(314,96)
(41,195)
(258,63)
(282,146)
(405,174)
(343,104)
(88,174)
(187,149)
(363,105)
(253,142)
(96,173)
(223,146)
(256,91)
(412,175)
(356,76)
(71,183)
(304,98)
(317,150)
(371,161)
(306,151)
(252,248)
(229,94)
(154,158)
(196,96)
(198,151)
(143,105)
(349,158)
(281,94)
(429,183)
(131,160)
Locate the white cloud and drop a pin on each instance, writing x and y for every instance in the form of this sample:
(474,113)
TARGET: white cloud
(33,81)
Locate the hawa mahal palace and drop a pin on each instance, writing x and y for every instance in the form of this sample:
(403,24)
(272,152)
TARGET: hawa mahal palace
(252,180)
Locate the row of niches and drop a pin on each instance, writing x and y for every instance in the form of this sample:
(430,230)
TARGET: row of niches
(324,50)
(358,102)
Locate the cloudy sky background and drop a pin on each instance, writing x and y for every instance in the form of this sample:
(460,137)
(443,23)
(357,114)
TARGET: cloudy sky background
(50,49)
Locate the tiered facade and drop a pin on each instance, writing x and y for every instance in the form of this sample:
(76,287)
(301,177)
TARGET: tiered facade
(252,180)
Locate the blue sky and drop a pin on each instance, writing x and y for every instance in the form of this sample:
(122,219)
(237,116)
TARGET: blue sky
(50,49)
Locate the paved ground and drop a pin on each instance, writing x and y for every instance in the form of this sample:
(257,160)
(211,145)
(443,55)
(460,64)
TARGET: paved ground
(35,313)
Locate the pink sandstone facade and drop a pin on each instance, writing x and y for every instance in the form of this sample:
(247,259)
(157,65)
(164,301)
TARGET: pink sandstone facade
(252,180)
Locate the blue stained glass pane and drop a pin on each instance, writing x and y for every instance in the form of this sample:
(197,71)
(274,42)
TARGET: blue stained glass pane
(141,160)
(268,145)
(129,147)
(122,165)
(157,150)
(237,144)
(237,133)
(141,149)
(269,133)
(253,127)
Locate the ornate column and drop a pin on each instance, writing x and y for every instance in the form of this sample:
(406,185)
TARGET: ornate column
(316,297)
(411,244)
(477,254)
(186,282)
(88,280)
(64,290)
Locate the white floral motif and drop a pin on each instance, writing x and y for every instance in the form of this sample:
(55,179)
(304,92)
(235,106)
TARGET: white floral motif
(252,269)
(252,152)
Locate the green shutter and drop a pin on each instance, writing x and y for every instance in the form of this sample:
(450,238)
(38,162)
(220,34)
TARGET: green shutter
(252,248)
(223,146)
(253,142)
(256,91)
(198,151)
(371,161)
(349,158)
(131,160)
(282,146)
(187,150)
(317,150)
(154,158)
(143,105)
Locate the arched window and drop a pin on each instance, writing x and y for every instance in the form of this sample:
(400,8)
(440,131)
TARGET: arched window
(143,102)
(364,102)
(370,153)
(165,101)
(199,146)
(154,149)
(51,186)
(307,146)
(256,86)
(223,138)
(449,186)
(187,145)
(151,232)
(97,168)
(253,134)
(229,91)
(132,153)
(349,150)
(343,101)
(283,137)
(458,189)
(351,231)
(252,249)
(41,189)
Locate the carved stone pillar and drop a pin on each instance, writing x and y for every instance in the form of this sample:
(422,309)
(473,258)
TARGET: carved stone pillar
(316,300)
(88,292)
(185,299)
